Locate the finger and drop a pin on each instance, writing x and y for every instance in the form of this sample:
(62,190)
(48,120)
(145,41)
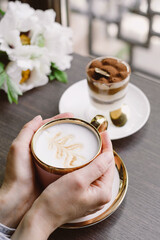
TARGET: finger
(28,130)
(62,115)
(107,183)
(106,142)
(101,190)
(100,165)
(107,178)
(96,168)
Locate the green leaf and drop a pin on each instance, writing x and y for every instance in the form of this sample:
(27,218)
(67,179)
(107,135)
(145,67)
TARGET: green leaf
(9,97)
(3,78)
(1,67)
(53,65)
(57,74)
(2,12)
(13,91)
(51,76)
(60,76)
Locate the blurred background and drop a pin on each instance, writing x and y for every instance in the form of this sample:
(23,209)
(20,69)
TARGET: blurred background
(127,29)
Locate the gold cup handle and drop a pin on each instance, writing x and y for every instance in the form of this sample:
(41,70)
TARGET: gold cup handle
(100,122)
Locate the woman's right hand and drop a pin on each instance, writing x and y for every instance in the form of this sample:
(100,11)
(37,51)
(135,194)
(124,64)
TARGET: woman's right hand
(71,196)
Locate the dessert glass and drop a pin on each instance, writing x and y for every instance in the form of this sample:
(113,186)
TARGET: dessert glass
(107,93)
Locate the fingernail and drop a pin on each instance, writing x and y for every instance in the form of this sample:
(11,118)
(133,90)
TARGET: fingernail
(37,118)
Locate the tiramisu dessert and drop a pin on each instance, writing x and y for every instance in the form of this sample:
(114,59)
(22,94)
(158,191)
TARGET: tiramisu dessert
(107,81)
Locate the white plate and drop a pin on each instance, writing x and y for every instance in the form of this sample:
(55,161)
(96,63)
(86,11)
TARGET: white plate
(119,190)
(76,100)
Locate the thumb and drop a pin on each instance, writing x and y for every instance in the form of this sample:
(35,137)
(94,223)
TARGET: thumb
(28,130)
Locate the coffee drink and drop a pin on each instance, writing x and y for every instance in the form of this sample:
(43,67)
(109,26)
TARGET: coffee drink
(66,145)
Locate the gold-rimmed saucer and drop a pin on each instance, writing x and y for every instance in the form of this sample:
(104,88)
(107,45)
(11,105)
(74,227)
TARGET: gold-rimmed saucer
(120,186)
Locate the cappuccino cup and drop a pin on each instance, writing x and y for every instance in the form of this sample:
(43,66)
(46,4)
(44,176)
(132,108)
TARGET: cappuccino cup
(65,145)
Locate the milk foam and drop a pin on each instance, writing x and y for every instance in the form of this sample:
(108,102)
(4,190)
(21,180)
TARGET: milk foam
(66,145)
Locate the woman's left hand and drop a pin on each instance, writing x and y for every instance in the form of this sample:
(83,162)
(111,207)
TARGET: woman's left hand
(20,187)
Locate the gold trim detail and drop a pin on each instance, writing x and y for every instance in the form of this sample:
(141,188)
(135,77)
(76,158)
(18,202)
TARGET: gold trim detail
(100,123)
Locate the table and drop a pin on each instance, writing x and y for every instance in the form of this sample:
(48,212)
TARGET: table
(138,217)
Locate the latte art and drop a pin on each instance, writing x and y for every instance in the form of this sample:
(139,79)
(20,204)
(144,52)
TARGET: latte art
(65,150)
(66,145)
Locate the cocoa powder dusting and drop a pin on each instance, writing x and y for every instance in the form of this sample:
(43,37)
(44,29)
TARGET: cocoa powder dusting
(96,63)
(117,70)
(109,61)
(123,75)
(121,67)
(111,70)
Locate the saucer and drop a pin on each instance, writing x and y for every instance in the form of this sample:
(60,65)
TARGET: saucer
(76,100)
(119,189)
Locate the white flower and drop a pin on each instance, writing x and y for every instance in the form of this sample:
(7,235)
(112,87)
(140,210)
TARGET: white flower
(42,30)
(30,57)
(18,18)
(36,78)
(57,39)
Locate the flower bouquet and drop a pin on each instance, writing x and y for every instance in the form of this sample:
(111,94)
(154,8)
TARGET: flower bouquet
(33,49)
